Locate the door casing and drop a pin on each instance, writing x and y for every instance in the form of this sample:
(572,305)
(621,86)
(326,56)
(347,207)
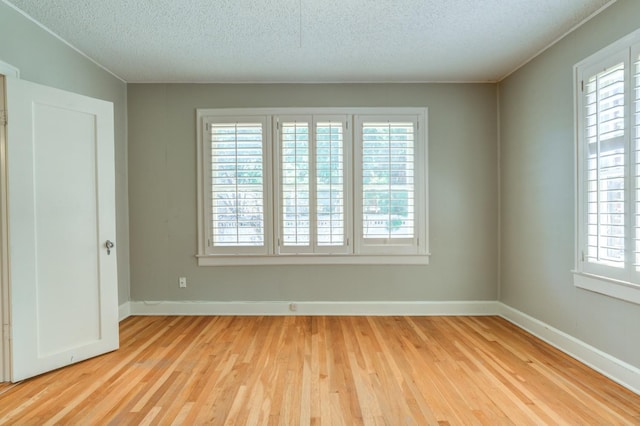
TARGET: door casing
(4,281)
(5,358)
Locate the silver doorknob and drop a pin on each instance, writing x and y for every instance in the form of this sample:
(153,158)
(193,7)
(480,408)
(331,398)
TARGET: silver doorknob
(109,245)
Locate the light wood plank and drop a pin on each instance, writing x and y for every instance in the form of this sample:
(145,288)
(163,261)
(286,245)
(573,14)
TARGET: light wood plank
(322,371)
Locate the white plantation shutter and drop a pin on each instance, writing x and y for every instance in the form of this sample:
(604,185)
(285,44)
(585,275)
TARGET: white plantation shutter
(606,154)
(237,191)
(311,185)
(295,185)
(386,178)
(330,191)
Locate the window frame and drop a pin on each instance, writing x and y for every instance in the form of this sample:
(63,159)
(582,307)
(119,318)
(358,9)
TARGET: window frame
(376,246)
(621,283)
(273,256)
(204,197)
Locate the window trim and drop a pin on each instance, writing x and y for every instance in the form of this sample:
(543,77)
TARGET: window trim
(206,258)
(311,259)
(623,285)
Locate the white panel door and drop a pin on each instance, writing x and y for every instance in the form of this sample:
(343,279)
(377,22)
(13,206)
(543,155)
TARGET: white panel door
(61,213)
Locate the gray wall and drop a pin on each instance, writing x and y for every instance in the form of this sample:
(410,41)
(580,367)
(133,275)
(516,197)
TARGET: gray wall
(537,193)
(463,197)
(43,59)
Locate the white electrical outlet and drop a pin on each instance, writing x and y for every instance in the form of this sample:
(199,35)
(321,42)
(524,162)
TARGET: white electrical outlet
(183,282)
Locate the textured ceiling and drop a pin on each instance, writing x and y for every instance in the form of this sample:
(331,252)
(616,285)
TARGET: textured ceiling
(309,40)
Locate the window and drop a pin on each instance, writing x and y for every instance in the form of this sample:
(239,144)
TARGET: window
(608,138)
(238,185)
(287,186)
(312,186)
(386,184)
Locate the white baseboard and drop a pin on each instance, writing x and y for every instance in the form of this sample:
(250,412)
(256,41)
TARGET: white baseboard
(124,311)
(617,370)
(314,308)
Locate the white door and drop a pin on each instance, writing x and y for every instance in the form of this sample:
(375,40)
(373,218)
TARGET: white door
(61,213)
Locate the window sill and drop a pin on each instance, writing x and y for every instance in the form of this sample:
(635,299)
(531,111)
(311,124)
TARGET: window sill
(302,259)
(622,290)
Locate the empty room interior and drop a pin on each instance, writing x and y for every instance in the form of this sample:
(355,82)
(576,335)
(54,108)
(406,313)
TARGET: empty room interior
(297,212)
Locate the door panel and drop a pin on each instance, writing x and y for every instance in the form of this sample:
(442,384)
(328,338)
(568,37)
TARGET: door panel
(61,204)
(65,213)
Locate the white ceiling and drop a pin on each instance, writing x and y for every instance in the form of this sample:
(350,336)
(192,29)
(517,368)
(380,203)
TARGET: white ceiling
(235,41)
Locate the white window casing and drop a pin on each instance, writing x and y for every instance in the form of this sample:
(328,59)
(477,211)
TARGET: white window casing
(312,186)
(608,171)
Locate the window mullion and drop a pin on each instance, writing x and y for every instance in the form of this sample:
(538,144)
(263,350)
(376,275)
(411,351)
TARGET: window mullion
(313,209)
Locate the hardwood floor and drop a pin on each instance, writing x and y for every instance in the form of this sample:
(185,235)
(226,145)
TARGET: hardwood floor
(322,370)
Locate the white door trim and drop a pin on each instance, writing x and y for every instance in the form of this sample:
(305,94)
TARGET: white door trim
(9,70)
(5,368)
(5,358)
